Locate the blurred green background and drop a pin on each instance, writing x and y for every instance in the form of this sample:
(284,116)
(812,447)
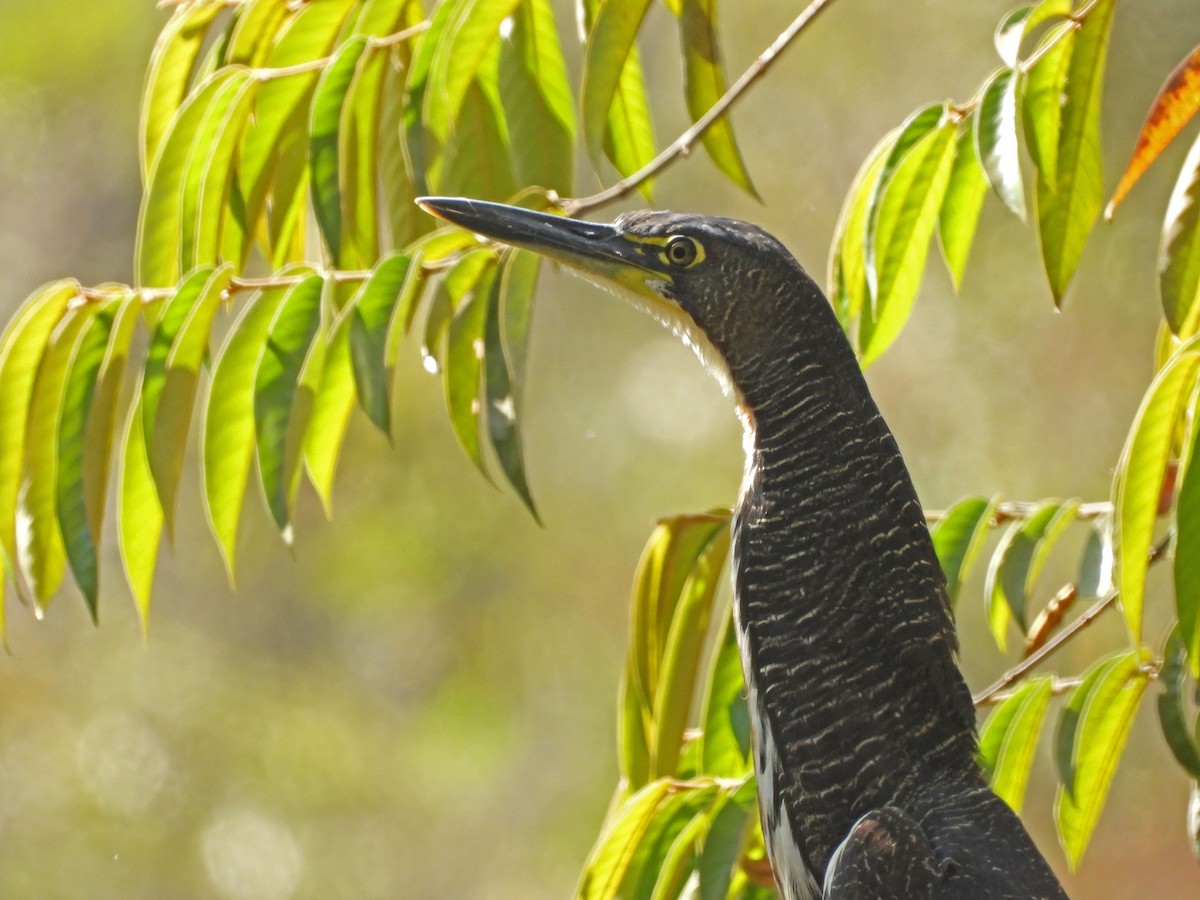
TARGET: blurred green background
(420,701)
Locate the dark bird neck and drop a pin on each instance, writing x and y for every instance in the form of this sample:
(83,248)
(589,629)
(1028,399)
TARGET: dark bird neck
(840,599)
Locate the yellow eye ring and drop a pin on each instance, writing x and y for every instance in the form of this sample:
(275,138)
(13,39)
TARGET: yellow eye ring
(681,252)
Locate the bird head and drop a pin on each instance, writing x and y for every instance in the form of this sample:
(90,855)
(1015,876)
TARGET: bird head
(713,281)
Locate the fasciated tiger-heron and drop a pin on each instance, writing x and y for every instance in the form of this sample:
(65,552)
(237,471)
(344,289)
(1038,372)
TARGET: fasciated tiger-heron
(863,728)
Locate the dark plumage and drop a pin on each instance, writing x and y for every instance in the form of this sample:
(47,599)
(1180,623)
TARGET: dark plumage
(864,731)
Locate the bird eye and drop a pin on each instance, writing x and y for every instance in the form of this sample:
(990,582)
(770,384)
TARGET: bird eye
(682,251)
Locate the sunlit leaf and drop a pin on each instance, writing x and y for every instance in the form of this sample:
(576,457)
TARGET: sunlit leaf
(704,84)
(1179,250)
(726,839)
(228,445)
(1103,727)
(323,145)
(160,219)
(40,546)
(1042,109)
(463,374)
(1067,207)
(216,224)
(359,153)
(958,537)
(725,719)
(537,99)
(657,855)
(1187,549)
(177,381)
(959,215)
(80,540)
(609,860)
(456,61)
(1022,22)
(288,341)
(171,63)
(423,150)
(679,862)
(370,315)
(996,138)
(254,34)
(333,401)
(1095,578)
(397,182)
(1009,739)
(478,160)
(21,350)
(1177,101)
(907,215)
(139,514)
(847,276)
(1140,473)
(1172,705)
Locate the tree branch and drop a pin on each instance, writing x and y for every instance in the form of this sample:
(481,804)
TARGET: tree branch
(683,144)
(1022,509)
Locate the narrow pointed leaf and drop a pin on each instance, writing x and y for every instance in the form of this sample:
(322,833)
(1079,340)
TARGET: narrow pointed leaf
(424,151)
(171,63)
(1018,563)
(1095,578)
(1103,729)
(704,84)
(1187,549)
(289,339)
(725,717)
(323,145)
(679,862)
(1140,472)
(518,287)
(398,187)
(139,514)
(1066,733)
(1177,101)
(21,351)
(214,208)
(908,214)
(1010,737)
(370,316)
(332,404)
(722,853)
(358,152)
(463,375)
(1173,714)
(254,34)
(537,98)
(500,392)
(1179,250)
(41,550)
(610,41)
(478,160)
(80,540)
(228,445)
(609,860)
(652,857)
(958,537)
(1068,206)
(1021,22)
(996,138)
(959,215)
(172,413)
(1042,109)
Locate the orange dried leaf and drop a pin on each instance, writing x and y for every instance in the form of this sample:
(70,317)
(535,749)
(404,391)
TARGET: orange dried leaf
(1177,101)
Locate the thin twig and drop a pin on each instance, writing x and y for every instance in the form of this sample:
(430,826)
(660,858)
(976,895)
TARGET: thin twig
(683,144)
(1018,510)
(315,65)
(1016,672)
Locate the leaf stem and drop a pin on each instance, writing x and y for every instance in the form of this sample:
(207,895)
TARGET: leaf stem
(682,145)
(1017,510)
(315,65)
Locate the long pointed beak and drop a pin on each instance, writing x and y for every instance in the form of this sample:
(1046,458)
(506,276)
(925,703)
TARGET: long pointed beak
(592,247)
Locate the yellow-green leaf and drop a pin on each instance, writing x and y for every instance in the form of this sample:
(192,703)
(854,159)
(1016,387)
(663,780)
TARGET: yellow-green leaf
(139,514)
(959,215)
(463,373)
(1173,715)
(996,139)
(958,537)
(332,403)
(609,860)
(1009,739)
(1179,250)
(1042,108)
(1187,547)
(370,313)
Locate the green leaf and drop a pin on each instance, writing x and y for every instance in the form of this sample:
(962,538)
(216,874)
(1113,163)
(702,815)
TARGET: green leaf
(370,314)
(1105,720)
(478,161)
(996,138)
(1172,709)
(463,373)
(1009,739)
(172,413)
(616,113)
(254,35)
(661,850)
(1068,206)
(958,537)
(908,214)
(686,639)
(160,235)
(1179,251)
(323,145)
(457,60)
(424,150)
(959,215)
(276,381)
(41,551)
(500,388)
(1187,545)
(333,401)
(725,752)
(704,84)
(1139,478)
(722,853)
(80,539)
(1018,562)
(680,860)
(537,99)
(518,286)
(359,138)
(1095,578)
(228,434)
(609,860)
(847,261)
(217,218)
(1067,733)
(1021,22)
(171,63)
(1042,109)
(139,514)
(21,351)
(398,186)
